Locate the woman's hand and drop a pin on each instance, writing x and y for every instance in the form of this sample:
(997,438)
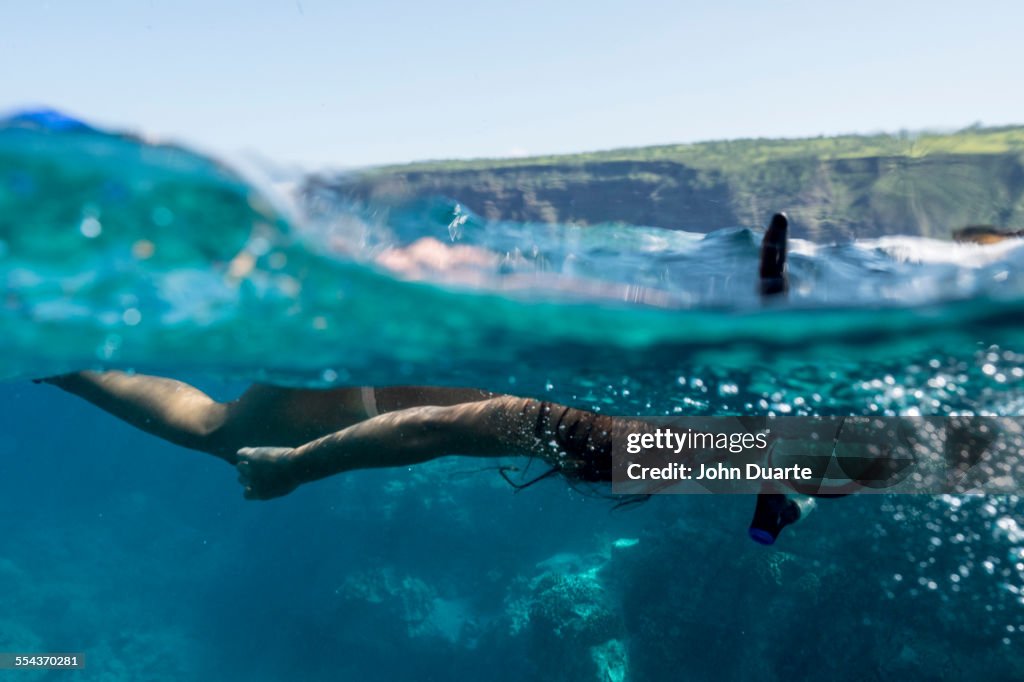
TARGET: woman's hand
(267,472)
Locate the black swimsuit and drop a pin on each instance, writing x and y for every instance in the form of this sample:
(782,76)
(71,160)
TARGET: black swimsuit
(583,441)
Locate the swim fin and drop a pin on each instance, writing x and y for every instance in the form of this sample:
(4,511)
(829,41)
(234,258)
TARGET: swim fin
(774,512)
(774,278)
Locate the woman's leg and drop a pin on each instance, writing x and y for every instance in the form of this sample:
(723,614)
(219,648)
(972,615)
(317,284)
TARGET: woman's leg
(184,415)
(166,408)
(392,398)
(263,415)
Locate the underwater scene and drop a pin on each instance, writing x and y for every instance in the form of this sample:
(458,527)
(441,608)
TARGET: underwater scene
(120,253)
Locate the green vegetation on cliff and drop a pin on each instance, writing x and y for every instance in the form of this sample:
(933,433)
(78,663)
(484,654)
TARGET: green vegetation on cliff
(832,187)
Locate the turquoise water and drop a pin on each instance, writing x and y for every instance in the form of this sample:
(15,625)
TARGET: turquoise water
(116,252)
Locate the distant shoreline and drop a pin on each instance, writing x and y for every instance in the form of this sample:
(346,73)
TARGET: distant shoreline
(832,188)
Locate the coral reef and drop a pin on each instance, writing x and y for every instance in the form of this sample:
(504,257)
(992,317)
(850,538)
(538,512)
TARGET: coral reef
(395,602)
(567,612)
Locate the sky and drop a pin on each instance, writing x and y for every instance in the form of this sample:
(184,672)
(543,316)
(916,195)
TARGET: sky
(338,84)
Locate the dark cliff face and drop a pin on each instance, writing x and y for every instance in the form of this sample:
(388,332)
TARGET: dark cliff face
(641,193)
(826,199)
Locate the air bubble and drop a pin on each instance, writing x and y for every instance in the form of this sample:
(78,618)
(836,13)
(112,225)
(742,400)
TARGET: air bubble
(132,317)
(90,227)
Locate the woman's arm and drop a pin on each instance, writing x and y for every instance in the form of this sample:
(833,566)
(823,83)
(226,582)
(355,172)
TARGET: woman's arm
(489,428)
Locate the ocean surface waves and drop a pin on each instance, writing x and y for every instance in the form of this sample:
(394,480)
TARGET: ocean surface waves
(116,251)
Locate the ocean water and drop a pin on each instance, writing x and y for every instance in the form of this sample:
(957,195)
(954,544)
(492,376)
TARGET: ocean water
(121,252)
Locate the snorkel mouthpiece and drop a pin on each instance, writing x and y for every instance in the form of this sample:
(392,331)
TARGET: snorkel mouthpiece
(772,513)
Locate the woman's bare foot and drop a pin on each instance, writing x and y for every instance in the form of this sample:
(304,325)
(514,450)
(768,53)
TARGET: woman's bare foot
(267,472)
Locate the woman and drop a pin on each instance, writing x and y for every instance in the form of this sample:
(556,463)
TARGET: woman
(279,438)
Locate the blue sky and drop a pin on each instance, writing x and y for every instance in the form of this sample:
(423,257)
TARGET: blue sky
(342,83)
